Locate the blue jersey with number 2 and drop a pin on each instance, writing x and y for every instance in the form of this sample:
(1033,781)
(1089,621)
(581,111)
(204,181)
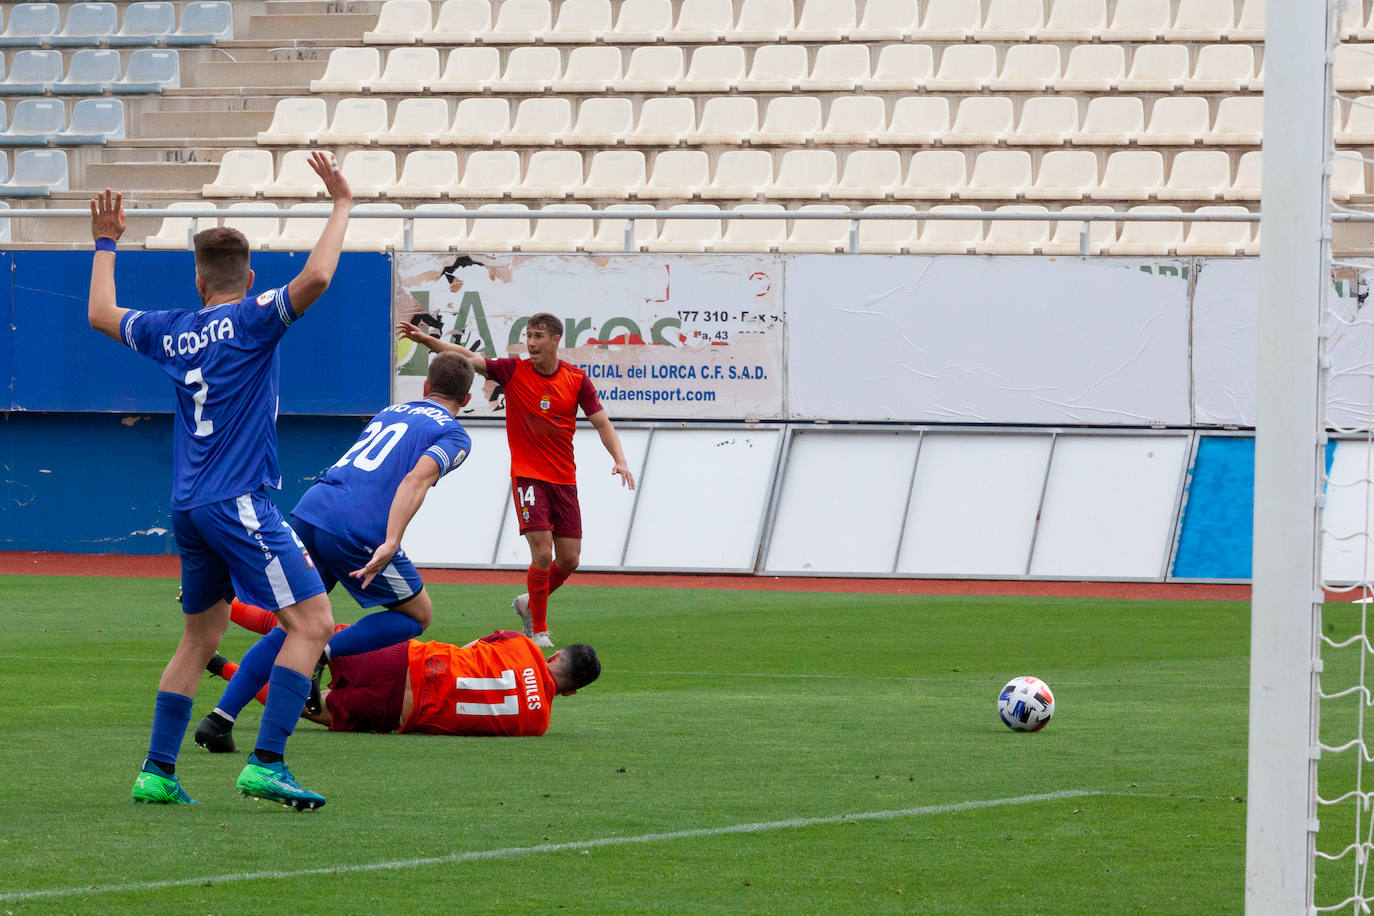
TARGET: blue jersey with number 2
(224,362)
(353,498)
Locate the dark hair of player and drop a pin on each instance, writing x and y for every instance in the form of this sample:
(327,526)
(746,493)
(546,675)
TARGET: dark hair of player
(222,259)
(450,376)
(583,666)
(548,323)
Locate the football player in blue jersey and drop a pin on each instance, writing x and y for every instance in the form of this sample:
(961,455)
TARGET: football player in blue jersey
(352,520)
(222,359)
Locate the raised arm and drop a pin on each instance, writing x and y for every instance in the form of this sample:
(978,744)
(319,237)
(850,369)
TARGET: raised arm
(425,339)
(107,222)
(314,277)
(611,440)
(407,501)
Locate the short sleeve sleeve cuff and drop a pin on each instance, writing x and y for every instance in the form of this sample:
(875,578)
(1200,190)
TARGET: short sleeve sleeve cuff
(126,328)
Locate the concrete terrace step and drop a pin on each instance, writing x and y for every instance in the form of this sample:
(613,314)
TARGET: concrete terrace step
(148,176)
(290,26)
(288,75)
(213,126)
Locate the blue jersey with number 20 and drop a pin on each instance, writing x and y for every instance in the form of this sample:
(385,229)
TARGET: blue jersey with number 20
(224,362)
(353,498)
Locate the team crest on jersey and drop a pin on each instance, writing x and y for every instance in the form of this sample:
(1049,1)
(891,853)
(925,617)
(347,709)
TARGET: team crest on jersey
(305,554)
(525,513)
(459,458)
(266,298)
(544,402)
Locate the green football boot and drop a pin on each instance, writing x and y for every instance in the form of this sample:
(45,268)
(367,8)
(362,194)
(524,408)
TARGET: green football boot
(153,787)
(274,782)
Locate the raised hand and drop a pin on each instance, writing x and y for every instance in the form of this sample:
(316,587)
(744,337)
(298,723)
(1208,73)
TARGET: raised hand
(107,216)
(327,167)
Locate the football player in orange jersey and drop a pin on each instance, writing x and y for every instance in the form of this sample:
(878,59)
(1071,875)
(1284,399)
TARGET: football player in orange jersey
(542,397)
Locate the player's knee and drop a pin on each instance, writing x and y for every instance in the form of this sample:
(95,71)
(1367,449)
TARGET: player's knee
(568,562)
(420,609)
(541,558)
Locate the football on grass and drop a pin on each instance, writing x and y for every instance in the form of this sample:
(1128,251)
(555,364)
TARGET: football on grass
(1025,704)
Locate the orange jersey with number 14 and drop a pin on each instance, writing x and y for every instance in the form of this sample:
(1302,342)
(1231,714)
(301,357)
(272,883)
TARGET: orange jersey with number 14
(541,417)
(498,685)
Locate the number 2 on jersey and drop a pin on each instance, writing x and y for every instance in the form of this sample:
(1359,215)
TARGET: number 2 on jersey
(368,453)
(204,427)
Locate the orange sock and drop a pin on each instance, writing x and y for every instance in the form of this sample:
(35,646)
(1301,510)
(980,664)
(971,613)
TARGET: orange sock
(537,583)
(556,577)
(231,667)
(257,619)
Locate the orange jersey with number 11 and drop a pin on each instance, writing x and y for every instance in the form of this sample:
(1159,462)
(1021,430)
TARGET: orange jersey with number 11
(498,685)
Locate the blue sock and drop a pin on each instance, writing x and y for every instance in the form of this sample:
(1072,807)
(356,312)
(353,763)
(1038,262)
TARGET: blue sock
(375,631)
(171,715)
(253,672)
(287,692)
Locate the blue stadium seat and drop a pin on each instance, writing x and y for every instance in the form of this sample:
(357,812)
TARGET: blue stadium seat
(147,22)
(37,173)
(36,121)
(32,73)
(203,23)
(149,70)
(90,72)
(88,25)
(4,223)
(94,121)
(30,25)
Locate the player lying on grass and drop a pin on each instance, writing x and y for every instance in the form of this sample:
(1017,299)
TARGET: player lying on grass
(498,685)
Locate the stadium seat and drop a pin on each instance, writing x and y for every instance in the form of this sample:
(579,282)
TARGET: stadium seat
(1130,175)
(998,174)
(94,121)
(824,20)
(488,173)
(408,70)
(601,122)
(855,119)
(1347,174)
(4,165)
(776,68)
(1201,20)
(869,173)
(478,122)
(753,234)
(300,233)
(805,173)
(1245,184)
(740,173)
(499,234)
(703,20)
(417,122)
(539,122)
(933,174)
(295,177)
(949,236)
(150,70)
(1074,20)
(242,173)
(1222,68)
(1138,20)
(260,231)
(665,120)
(950,20)
(651,69)
(1006,236)
(1357,129)
(370,172)
(1010,20)
(35,122)
(727,119)
(887,236)
(818,235)
(32,72)
(1239,122)
(965,68)
(1148,238)
(295,122)
(643,21)
(1177,120)
(349,70)
(762,20)
(176,232)
(356,121)
(677,173)
(438,233)
(1250,22)
(1093,68)
(519,22)
(37,173)
(1353,68)
(1197,175)
(1156,68)
(590,69)
(1029,68)
(789,119)
(981,120)
(400,22)
(687,234)
(532,69)
(1066,236)
(1047,120)
(30,25)
(581,22)
(610,233)
(714,69)
(374,234)
(902,67)
(89,72)
(87,25)
(469,70)
(1064,175)
(426,172)
(837,67)
(550,173)
(204,23)
(1217,238)
(560,234)
(616,173)
(1111,121)
(146,22)
(459,22)
(917,119)
(886,20)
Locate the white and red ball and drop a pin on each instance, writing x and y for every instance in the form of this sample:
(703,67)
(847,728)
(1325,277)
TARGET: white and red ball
(1025,704)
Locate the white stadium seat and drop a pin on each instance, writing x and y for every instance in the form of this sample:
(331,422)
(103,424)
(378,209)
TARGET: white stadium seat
(560,234)
(295,177)
(409,70)
(478,122)
(887,20)
(426,173)
(296,122)
(776,68)
(645,21)
(613,174)
(1157,68)
(1111,120)
(499,234)
(740,173)
(1138,20)
(369,172)
(934,174)
(1093,68)
(1066,237)
(519,22)
(1245,184)
(356,121)
(1206,239)
(469,70)
(609,234)
(580,22)
(1130,175)
(1222,68)
(1149,238)
(438,233)
(400,22)
(887,236)
(260,231)
(1074,20)
(917,119)
(1047,120)
(981,120)
(838,67)
(824,20)
(1201,20)
(902,67)
(703,20)
(965,68)
(175,232)
(1029,68)
(950,20)
(301,233)
(714,69)
(665,120)
(488,173)
(1064,175)
(1177,120)
(762,20)
(869,173)
(1005,236)
(677,173)
(790,119)
(531,69)
(375,234)
(417,122)
(998,174)
(1010,20)
(687,234)
(593,68)
(242,173)
(805,173)
(818,235)
(727,119)
(550,173)
(948,236)
(459,22)
(754,234)
(1197,175)
(539,122)
(652,69)
(1239,122)
(855,119)
(601,121)
(349,70)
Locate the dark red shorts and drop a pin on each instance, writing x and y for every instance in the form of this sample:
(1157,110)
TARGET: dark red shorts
(367,690)
(542,506)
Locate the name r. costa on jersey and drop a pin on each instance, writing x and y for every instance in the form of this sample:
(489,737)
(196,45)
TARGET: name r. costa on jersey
(189,343)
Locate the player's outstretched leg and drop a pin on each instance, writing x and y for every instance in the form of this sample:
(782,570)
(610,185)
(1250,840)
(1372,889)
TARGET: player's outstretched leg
(156,786)
(274,782)
(522,610)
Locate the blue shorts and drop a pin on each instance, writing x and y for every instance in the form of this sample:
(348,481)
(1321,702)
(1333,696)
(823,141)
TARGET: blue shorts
(336,557)
(241,547)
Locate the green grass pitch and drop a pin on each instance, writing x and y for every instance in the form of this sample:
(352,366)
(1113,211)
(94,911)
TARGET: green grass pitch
(744,751)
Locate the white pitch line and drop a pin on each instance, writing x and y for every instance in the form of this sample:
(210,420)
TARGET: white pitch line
(513,851)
